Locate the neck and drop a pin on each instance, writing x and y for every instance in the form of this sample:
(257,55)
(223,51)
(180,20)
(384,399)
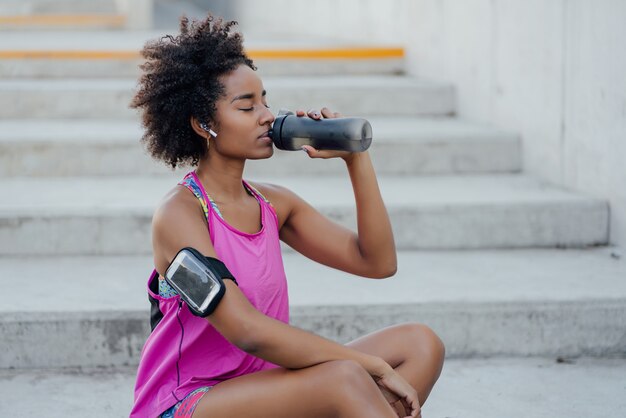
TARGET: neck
(222,178)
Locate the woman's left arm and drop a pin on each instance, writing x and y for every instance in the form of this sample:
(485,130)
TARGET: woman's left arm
(371,252)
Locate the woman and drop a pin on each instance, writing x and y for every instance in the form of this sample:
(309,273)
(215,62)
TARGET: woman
(204,105)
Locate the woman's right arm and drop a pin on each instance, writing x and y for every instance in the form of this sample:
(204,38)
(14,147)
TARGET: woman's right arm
(178,223)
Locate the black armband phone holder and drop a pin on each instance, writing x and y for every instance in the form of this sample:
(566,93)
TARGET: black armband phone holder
(198,280)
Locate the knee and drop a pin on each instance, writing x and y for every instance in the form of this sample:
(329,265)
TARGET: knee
(348,373)
(348,380)
(350,390)
(425,341)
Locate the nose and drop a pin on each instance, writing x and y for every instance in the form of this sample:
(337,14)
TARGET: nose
(267,118)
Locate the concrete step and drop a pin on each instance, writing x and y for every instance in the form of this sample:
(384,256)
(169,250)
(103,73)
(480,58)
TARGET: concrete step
(481,303)
(112,215)
(402,145)
(529,388)
(62,22)
(38,7)
(38,18)
(350,95)
(115,54)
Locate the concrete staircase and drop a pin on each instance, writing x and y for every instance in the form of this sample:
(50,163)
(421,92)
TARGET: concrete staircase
(497,262)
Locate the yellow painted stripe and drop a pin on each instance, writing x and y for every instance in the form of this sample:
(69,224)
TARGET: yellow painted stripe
(257,54)
(63,20)
(329,53)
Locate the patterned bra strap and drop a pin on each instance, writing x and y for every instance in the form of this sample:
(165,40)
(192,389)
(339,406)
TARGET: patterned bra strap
(190,183)
(257,192)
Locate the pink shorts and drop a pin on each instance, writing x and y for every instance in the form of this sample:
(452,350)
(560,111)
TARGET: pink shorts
(185,408)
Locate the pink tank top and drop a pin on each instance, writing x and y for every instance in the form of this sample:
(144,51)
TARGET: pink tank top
(185,352)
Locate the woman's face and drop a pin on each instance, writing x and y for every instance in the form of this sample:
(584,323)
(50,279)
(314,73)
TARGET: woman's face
(243,117)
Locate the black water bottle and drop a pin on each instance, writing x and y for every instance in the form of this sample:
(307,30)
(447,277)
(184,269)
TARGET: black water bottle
(291,132)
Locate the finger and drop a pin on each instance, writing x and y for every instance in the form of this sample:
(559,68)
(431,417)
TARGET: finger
(300,112)
(327,113)
(415,409)
(401,410)
(314,114)
(324,154)
(411,403)
(312,152)
(390,396)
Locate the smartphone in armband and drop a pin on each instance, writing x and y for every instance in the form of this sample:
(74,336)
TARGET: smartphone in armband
(198,280)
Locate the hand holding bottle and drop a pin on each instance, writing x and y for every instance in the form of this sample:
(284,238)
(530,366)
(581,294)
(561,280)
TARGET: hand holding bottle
(321,133)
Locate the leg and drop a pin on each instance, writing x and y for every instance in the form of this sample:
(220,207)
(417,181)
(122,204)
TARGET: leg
(332,389)
(414,350)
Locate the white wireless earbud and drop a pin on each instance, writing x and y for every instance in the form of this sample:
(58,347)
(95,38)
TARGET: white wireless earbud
(209,130)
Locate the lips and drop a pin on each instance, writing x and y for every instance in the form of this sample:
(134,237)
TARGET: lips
(264,134)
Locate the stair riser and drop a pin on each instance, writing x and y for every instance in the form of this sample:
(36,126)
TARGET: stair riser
(129,68)
(113,103)
(47,68)
(102,159)
(448,227)
(480,330)
(487,330)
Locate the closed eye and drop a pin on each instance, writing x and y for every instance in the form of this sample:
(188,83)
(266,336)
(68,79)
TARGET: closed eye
(249,109)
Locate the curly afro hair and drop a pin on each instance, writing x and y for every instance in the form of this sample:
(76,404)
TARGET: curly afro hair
(181,79)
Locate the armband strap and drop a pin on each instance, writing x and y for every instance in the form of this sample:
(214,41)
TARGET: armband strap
(221,269)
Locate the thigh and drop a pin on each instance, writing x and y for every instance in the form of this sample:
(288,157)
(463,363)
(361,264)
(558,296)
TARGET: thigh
(399,343)
(275,393)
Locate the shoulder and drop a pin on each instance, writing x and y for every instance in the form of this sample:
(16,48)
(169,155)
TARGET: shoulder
(282,199)
(178,222)
(178,201)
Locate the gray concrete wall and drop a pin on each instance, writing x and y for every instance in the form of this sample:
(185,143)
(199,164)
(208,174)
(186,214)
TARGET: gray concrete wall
(553,70)
(349,20)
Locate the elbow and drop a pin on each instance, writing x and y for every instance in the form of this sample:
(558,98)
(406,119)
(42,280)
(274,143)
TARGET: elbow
(384,273)
(248,337)
(248,345)
(388,268)
(383,267)
(391,272)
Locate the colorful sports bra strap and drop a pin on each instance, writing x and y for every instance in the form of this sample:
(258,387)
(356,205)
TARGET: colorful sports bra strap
(258,193)
(191,184)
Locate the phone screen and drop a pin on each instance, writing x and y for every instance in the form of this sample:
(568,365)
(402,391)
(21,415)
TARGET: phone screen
(191,278)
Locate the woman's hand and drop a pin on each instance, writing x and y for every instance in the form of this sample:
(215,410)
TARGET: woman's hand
(400,394)
(313,153)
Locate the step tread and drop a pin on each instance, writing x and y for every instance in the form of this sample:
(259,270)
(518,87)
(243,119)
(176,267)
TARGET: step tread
(396,129)
(353,95)
(596,385)
(486,277)
(270,82)
(141,194)
(62,19)
(98,40)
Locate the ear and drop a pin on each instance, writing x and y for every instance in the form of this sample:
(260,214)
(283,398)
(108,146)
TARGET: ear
(197,127)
